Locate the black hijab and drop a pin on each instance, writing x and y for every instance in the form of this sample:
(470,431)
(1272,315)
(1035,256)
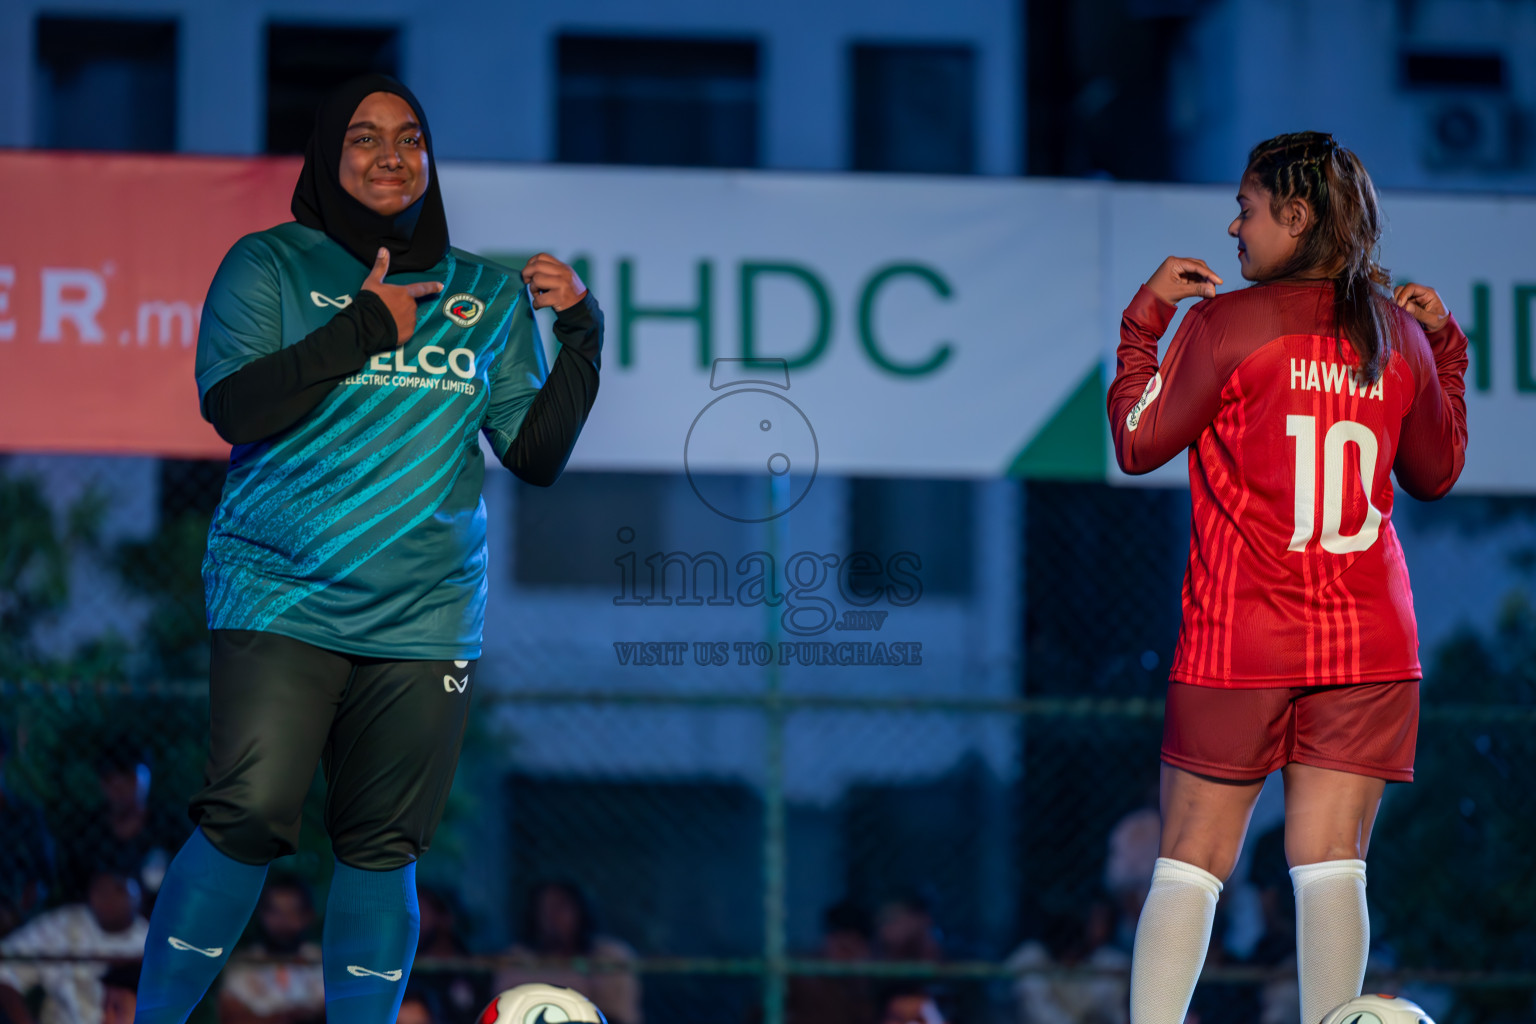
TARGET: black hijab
(417,237)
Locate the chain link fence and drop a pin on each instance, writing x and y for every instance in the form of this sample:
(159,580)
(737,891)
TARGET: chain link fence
(786,810)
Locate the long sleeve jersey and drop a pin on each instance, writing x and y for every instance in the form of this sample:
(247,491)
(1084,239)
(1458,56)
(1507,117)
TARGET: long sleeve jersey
(1295,573)
(359,527)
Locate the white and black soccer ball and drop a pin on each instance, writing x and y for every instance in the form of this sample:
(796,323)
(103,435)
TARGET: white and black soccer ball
(541,1004)
(1378,1009)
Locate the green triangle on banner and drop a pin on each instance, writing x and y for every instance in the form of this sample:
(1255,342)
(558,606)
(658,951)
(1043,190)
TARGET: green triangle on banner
(1074,442)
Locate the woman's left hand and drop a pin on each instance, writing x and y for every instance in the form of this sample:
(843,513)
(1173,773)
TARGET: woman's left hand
(553,283)
(1424,303)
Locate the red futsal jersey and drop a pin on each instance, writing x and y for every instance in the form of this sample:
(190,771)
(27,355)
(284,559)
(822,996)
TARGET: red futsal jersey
(1295,576)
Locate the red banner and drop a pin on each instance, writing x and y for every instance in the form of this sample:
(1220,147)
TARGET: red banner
(104,264)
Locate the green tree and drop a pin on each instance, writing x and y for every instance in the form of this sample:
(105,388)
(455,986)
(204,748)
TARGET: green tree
(34,567)
(166,568)
(1451,864)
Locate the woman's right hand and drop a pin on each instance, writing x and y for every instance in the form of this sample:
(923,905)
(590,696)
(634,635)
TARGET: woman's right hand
(1183,277)
(400,298)
(1424,303)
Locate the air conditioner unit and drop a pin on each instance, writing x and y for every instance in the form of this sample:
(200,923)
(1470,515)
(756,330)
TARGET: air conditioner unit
(1471,132)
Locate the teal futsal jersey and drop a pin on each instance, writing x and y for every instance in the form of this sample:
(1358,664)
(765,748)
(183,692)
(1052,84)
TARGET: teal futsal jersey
(361,528)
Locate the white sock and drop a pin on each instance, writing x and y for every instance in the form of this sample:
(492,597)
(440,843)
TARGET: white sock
(1171,940)
(1333,934)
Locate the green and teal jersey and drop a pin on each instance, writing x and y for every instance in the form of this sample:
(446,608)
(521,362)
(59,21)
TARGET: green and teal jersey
(361,528)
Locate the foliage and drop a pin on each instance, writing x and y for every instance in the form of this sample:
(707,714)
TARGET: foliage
(166,568)
(1451,861)
(34,572)
(145,697)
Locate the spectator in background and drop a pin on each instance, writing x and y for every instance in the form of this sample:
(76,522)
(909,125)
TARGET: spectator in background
(458,996)
(1227,1002)
(906,1003)
(1080,939)
(846,934)
(559,924)
(1129,861)
(125,831)
(906,928)
(26,853)
(1269,874)
(419,1006)
(120,993)
(106,926)
(292,992)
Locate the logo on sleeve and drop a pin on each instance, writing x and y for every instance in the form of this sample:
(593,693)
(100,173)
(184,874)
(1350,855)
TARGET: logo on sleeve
(463,309)
(1154,388)
(340,302)
(363,972)
(212,952)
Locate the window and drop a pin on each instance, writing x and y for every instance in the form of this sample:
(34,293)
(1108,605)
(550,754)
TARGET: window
(674,102)
(914,109)
(932,519)
(304,62)
(1108,84)
(105,83)
(1454,70)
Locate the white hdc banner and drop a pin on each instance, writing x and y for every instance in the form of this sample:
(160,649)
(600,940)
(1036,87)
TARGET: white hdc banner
(934,327)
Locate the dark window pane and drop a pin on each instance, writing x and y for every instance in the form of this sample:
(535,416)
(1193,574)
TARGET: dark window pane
(932,519)
(1099,87)
(914,109)
(674,102)
(106,83)
(1455,70)
(304,62)
(568,535)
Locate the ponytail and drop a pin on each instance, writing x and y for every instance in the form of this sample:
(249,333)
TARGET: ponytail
(1342,240)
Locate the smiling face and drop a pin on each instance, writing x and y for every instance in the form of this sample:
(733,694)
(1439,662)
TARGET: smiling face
(384,162)
(1266,241)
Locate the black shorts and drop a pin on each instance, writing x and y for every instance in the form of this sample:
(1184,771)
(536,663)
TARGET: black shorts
(386,733)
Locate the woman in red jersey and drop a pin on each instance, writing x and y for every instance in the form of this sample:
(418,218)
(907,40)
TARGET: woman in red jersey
(1296,399)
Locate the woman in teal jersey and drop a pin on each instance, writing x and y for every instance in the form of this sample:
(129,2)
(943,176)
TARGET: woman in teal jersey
(352,358)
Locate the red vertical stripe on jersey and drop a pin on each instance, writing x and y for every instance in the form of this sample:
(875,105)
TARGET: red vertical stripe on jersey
(1257,613)
(1240,433)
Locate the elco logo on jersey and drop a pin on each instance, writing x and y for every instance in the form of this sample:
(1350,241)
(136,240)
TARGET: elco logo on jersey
(463,309)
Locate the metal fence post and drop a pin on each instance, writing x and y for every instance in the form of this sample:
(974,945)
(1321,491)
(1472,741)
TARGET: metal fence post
(774,853)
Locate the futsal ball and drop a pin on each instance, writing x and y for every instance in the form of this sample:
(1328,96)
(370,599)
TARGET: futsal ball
(1379,1009)
(541,1004)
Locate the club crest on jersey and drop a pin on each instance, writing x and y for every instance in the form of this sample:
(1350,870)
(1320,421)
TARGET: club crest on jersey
(463,309)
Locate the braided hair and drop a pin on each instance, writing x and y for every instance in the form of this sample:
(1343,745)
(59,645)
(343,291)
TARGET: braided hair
(1342,239)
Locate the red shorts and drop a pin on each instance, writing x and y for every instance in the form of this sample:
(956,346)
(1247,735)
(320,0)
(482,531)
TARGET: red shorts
(1244,734)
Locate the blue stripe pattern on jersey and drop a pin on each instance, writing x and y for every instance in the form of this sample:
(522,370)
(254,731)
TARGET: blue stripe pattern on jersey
(378,484)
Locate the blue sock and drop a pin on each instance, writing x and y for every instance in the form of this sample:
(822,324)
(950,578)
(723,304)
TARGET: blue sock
(201,909)
(371,923)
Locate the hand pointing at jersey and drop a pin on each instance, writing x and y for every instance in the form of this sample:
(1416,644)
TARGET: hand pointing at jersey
(399,298)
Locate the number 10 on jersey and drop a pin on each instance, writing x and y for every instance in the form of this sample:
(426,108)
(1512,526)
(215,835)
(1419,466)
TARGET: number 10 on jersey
(1341,433)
